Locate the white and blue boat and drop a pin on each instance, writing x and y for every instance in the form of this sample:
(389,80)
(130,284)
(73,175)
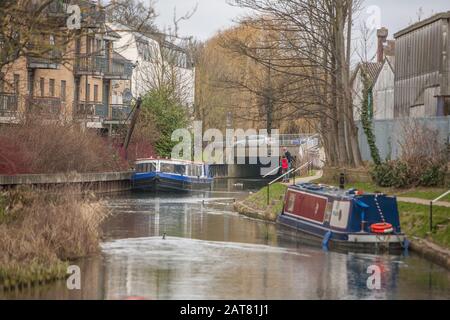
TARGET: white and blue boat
(343,219)
(170,176)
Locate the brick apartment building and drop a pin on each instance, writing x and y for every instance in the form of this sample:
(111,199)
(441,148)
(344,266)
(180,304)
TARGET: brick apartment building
(84,82)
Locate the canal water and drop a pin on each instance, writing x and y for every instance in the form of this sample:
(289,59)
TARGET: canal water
(210,252)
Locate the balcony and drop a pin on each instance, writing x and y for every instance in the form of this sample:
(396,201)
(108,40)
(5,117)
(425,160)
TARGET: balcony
(58,8)
(91,15)
(120,112)
(118,69)
(90,111)
(114,69)
(8,105)
(89,64)
(43,57)
(46,107)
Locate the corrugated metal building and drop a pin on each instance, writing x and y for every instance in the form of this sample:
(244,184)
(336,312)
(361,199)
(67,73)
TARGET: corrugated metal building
(422,87)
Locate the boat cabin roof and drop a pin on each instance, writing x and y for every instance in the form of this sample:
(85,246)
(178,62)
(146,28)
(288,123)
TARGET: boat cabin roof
(177,162)
(326,190)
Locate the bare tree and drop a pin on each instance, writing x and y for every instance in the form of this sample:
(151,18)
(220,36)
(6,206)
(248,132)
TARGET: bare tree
(316,43)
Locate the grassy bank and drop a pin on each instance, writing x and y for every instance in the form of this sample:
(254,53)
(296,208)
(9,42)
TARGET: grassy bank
(415,222)
(40,234)
(256,204)
(420,193)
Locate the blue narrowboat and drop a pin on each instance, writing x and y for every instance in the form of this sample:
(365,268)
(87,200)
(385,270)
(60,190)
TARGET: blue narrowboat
(170,176)
(343,219)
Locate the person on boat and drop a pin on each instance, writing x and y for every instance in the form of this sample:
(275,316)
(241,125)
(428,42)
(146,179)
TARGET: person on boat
(285,168)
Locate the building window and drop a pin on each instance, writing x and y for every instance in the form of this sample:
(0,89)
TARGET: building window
(16,83)
(95,92)
(51,87)
(88,93)
(447,107)
(2,82)
(42,86)
(63,90)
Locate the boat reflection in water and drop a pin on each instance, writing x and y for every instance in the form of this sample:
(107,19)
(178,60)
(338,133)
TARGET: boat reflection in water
(210,252)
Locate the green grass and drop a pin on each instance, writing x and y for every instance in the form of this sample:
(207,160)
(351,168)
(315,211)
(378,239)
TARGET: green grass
(415,222)
(258,201)
(427,194)
(420,193)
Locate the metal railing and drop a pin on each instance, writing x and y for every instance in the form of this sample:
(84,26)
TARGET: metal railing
(58,7)
(8,104)
(288,140)
(90,63)
(87,110)
(115,68)
(272,172)
(306,165)
(118,68)
(50,107)
(120,112)
(431,207)
(38,54)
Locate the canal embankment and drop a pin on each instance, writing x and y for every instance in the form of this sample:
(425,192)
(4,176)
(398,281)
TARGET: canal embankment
(414,215)
(107,182)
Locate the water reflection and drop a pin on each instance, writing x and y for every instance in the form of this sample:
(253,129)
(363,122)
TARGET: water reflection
(210,252)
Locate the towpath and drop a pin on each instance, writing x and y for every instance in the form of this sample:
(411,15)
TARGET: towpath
(317,176)
(424,202)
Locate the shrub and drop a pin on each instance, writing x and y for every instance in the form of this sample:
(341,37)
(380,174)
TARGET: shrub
(51,148)
(423,160)
(391,174)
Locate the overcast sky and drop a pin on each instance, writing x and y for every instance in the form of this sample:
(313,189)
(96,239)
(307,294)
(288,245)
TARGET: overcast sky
(214,15)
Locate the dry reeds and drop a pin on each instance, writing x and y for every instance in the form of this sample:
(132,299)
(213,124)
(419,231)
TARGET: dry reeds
(39,233)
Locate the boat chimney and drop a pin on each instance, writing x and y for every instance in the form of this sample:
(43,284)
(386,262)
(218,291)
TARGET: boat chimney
(382,35)
(342,181)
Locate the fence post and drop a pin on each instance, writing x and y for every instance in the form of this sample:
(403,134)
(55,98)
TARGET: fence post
(431,216)
(268,194)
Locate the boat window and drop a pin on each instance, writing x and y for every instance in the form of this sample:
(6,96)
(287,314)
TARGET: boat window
(328,211)
(198,171)
(291,202)
(191,170)
(173,168)
(167,167)
(146,167)
(180,169)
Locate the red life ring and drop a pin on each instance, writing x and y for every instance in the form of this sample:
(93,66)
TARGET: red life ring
(382,228)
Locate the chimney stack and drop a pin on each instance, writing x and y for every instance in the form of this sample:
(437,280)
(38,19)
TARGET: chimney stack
(382,35)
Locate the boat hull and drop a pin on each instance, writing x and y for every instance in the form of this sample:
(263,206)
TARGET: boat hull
(169,183)
(315,234)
